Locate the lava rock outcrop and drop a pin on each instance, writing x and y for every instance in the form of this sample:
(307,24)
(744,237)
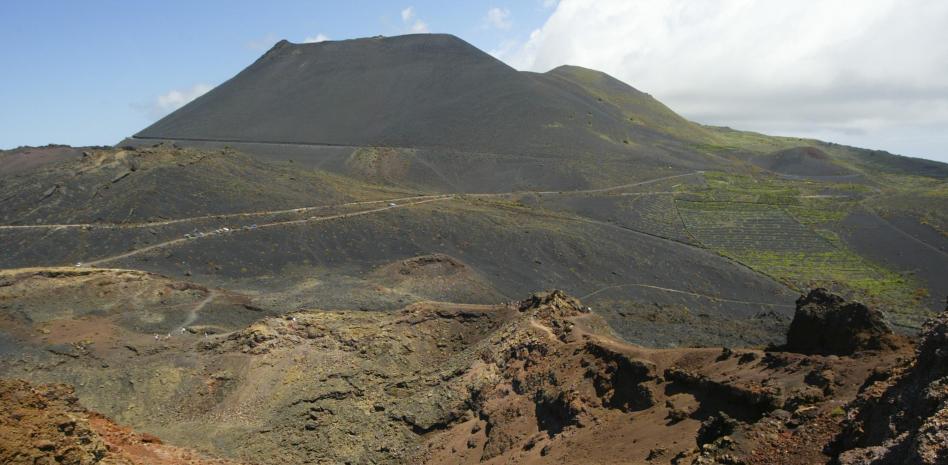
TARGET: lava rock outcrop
(824,323)
(904,418)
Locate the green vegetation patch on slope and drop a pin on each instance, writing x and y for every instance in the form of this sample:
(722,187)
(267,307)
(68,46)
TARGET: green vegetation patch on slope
(639,108)
(815,211)
(737,227)
(726,187)
(768,239)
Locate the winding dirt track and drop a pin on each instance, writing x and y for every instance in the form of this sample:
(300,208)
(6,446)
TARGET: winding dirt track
(193,312)
(323,207)
(389,204)
(312,219)
(679,291)
(149,224)
(591,191)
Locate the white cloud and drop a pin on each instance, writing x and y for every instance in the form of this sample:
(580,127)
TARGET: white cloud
(172,100)
(263,43)
(412,22)
(419,26)
(498,18)
(317,38)
(855,71)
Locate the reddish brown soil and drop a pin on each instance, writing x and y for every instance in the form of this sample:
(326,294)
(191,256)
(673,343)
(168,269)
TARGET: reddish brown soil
(44,424)
(26,159)
(578,396)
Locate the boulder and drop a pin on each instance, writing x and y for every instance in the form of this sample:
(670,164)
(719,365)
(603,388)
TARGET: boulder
(824,323)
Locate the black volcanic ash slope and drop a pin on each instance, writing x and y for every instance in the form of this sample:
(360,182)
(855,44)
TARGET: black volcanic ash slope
(423,90)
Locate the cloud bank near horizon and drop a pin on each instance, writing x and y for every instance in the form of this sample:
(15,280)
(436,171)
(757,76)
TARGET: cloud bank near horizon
(861,72)
(172,100)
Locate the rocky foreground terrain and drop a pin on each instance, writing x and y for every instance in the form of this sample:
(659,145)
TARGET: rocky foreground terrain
(542,380)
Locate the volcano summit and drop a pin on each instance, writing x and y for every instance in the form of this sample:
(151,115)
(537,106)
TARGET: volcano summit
(424,90)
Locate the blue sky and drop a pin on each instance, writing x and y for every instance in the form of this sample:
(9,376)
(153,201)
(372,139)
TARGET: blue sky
(869,73)
(91,72)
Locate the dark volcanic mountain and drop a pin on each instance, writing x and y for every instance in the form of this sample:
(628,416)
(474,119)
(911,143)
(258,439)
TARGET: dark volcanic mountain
(470,122)
(424,90)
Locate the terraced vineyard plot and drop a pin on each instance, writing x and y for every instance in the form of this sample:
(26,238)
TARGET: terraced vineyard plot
(806,266)
(815,211)
(767,239)
(738,227)
(656,214)
(844,271)
(653,214)
(735,188)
